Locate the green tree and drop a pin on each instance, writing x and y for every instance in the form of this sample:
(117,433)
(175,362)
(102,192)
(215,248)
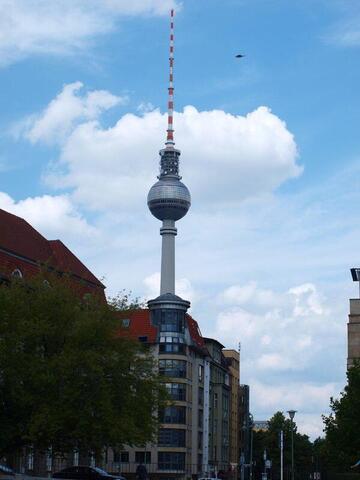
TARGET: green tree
(270,440)
(68,379)
(342,426)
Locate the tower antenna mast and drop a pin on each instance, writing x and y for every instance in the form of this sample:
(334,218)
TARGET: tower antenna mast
(170,129)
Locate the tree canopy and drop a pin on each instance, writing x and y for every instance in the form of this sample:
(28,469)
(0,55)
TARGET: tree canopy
(270,440)
(341,448)
(67,378)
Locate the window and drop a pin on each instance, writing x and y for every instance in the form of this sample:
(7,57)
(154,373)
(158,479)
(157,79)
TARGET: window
(200,440)
(126,322)
(143,339)
(225,454)
(172,368)
(172,348)
(217,355)
(173,414)
(168,339)
(225,406)
(201,396)
(172,321)
(200,420)
(124,457)
(171,461)
(142,457)
(177,391)
(201,373)
(17,273)
(215,400)
(169,437)
(121,457)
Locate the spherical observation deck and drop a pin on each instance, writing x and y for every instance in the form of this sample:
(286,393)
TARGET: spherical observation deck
(169,199)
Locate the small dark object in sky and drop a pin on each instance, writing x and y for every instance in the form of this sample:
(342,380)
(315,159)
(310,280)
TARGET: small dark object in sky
(239,55)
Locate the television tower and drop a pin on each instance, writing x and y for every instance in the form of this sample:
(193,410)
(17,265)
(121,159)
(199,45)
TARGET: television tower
(169,199)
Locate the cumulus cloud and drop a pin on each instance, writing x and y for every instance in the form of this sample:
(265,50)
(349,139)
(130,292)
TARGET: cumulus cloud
(183,287)
(293,394)
(285,335)
(31,27)
(250,293)
(53,216)
(305,397)
(242,156)
(59,118)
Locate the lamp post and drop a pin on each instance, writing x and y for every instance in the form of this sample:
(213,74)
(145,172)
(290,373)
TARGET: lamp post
(292,415)
(281,455)
(251,424)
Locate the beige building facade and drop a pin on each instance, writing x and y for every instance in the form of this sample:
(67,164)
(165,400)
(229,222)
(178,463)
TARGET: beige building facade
(353,330)
(233,362)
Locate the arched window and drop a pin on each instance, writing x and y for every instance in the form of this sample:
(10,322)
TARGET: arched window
(17,273)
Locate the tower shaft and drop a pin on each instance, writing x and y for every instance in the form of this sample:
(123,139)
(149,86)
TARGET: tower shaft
(169,199)
(168,233)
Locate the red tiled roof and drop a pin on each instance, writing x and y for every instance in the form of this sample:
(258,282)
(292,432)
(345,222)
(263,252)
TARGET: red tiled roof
(65,261)
(19,238)
(140,326)
(195,331)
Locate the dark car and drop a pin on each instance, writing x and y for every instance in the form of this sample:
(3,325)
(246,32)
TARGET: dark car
(6,472)
(86,473)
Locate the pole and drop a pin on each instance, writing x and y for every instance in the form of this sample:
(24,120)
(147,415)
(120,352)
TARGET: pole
(292,450)
(281,455)
(251,452)
(265,458)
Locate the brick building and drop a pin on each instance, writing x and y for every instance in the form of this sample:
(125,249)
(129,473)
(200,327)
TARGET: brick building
(24,252)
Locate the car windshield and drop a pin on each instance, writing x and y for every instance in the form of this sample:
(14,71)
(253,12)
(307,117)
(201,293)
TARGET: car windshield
(100,470)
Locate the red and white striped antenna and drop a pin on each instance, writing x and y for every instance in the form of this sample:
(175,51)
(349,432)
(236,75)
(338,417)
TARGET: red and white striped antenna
(170,129)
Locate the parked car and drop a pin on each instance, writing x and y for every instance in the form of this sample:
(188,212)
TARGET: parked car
(6,472)
(86,473)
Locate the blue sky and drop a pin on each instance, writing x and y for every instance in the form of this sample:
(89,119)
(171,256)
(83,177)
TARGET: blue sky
(270,151)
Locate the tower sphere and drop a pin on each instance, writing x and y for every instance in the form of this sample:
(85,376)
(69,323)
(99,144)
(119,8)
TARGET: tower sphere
(169,199)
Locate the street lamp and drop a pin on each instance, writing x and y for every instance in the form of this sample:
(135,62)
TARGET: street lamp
(292,415)
(355,273)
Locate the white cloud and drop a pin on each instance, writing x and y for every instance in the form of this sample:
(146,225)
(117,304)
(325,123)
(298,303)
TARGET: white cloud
(282,337)
(305,397)
(285,348)
(183,287)
(240,156)
(53,216)
(307,301)
(250,293)
(29,27)
(59,118)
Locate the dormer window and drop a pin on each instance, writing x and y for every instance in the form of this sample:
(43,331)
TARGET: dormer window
(17,273)
(126,322)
